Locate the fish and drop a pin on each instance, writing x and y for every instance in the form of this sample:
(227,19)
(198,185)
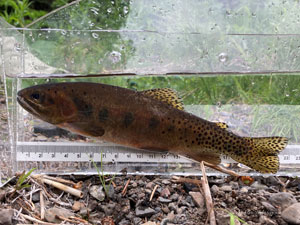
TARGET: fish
(150,120)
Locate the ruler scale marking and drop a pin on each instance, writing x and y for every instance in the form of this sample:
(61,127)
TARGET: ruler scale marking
(83,152)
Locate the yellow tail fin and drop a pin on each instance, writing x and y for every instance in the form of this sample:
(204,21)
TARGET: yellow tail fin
(263,153)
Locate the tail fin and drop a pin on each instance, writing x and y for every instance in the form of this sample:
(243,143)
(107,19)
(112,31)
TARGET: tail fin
(263,153)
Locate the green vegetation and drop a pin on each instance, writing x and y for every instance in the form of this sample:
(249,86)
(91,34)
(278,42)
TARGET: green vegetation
(102,176)
(234,217)
(20,182)
(20,13)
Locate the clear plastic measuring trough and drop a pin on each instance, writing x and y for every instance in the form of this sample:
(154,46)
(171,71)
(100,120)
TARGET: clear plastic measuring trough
(199,48)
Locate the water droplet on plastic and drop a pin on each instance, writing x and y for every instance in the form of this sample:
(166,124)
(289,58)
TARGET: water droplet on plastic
(95,35)
(109,10)
(223,57)
(115,56)
(228,13)
(125,10)
(18,47)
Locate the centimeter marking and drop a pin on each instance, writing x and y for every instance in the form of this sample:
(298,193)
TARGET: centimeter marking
(83,152)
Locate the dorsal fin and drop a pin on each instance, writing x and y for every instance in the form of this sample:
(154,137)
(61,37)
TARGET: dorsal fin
(165,95)
(222,125)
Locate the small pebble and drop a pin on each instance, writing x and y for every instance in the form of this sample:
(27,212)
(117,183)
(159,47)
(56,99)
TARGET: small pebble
(134,184)
(165,192)
(226,188)
(214,189)
(141,212)
(6,216)
(165,209)
(244,190)
(174,197)
(282,199)
(97,192)
(165,181)
(164,200)
(292,214)
(150,185)
(198,198)
(77,206)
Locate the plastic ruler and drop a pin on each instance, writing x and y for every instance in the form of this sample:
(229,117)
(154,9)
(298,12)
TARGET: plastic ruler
(82,152)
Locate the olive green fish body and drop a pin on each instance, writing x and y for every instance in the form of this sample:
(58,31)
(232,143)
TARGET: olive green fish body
(151,120)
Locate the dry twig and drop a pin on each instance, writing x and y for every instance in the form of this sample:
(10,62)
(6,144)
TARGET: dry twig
(125,188)
(42,205)
(221,169)
(36,220)
(152,194)
(60,186)
(207,195)
(64,204)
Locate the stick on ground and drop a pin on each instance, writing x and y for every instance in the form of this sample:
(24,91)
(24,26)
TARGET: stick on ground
(152,194)
(221,169)
(60,186)
(207,195)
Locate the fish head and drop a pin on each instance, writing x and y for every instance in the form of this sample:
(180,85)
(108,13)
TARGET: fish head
(48,102)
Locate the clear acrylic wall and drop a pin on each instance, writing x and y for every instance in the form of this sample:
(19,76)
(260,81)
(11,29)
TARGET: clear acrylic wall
(232,61)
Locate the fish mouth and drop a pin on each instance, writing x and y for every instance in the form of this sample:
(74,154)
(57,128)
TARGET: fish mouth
(27,105)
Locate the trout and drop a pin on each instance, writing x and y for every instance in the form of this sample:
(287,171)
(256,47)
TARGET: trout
(150,120)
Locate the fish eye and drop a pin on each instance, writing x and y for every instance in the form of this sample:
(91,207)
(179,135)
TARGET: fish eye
(35,96)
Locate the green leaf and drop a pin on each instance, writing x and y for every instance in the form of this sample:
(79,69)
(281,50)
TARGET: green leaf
(22,178)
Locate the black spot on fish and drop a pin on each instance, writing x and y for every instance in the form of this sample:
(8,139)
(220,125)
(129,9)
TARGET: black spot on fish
(153,123)
(103,115)
(171,128)
(128,119)
(83,108)
(50,100)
